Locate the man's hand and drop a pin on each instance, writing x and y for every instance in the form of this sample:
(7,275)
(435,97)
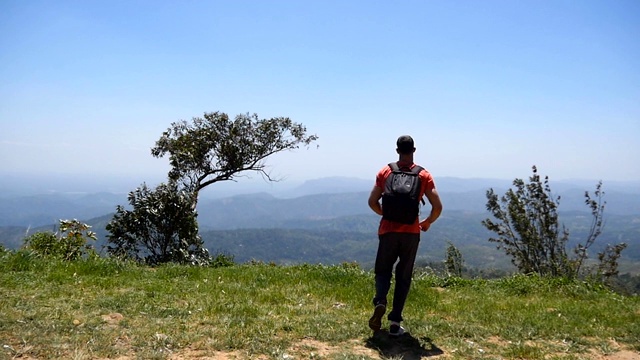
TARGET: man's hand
(425,224)
(436,209)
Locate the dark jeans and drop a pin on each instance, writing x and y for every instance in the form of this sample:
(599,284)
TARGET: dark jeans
(391,247)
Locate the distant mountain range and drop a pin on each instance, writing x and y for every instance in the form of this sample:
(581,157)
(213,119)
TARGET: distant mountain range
(328,220)
(320,198)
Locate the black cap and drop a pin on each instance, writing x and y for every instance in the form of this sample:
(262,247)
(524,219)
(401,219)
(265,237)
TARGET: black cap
(405,144)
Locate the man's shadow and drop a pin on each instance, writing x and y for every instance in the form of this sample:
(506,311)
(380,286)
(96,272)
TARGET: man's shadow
(404,347)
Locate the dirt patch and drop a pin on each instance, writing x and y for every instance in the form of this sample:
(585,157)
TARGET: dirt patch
(308,348)
(378,347)
(620,355)
(189,354)
(498,341)
(113,318)
(618,351)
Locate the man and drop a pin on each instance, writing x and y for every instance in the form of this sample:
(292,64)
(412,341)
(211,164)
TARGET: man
(399,240)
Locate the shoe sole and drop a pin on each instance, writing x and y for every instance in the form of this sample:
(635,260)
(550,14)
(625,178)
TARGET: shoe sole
(375,323)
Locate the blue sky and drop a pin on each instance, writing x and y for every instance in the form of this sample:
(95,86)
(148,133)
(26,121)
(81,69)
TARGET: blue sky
(486,88)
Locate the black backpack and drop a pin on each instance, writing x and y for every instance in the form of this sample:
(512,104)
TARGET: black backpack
(401,196)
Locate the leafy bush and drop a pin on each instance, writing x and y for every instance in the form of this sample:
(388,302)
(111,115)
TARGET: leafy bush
(160,228)
(527,227)
(222,259)
(43,243)
(70,243)
(454,262)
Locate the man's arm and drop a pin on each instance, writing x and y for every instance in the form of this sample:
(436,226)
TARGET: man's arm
(436,209)
(374,200)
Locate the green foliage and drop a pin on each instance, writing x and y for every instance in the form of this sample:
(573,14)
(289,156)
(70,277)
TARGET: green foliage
(222,259)
(608,261)
(160,228)
(43,243)
(216,148)
(70,243)
(608,258)
(528,230)
(454,262)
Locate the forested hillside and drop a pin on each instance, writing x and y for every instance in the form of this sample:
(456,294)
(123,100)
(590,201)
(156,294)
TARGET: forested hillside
(330,228)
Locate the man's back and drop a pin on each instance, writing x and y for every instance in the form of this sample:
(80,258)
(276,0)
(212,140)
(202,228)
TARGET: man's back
(426,184)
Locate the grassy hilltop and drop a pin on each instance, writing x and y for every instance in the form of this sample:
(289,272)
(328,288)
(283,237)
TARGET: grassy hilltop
(106,309)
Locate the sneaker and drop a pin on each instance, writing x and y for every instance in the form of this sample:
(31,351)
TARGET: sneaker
(375,323)
(395,329)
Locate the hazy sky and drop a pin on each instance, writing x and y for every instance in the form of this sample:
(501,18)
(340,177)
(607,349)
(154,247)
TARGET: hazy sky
(486,88)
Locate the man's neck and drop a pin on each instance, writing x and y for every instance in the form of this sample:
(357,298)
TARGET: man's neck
(406,158)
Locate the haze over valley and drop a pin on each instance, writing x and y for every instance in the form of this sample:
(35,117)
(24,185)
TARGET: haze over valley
(327,220)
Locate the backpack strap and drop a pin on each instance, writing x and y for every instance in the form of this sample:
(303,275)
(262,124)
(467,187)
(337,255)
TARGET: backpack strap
(415,170)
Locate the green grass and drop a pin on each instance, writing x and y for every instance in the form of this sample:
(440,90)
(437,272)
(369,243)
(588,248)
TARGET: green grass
(52,309)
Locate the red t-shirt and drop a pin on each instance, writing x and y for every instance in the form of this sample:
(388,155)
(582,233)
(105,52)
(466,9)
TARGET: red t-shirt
(426,184)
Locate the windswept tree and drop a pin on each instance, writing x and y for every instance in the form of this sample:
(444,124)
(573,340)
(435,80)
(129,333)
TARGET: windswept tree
(216,148)
(162,225)
(528,229)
